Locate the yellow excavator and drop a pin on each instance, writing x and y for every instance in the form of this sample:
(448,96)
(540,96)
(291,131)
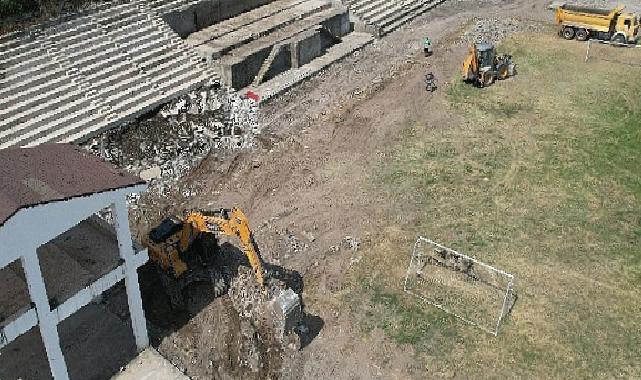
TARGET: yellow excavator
(483,66)
(185,250)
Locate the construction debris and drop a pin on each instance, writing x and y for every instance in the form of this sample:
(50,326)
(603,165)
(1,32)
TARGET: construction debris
(286,311)
(275,311)
(494,30)
(180,135)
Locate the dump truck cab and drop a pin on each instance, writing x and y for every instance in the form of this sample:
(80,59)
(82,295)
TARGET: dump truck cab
(627,26)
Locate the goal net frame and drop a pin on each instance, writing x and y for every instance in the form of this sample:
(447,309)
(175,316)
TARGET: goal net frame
(508,298)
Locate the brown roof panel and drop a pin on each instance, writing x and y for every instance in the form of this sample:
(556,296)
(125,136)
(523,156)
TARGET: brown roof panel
(54,172)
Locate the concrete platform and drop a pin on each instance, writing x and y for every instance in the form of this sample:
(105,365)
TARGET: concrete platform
(241,66)
(150,365)
(224,27)
(215,48)
(287,80)
(257,46)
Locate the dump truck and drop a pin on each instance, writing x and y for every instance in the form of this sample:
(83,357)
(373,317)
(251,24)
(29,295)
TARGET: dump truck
(585,23)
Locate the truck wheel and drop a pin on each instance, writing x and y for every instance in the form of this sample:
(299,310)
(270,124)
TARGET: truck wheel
(581,34)
(568,33)
(619,39)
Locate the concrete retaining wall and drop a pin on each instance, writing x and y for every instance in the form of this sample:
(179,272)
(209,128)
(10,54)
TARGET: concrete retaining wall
(207,13)
(307,49)
(281,63)
(338,25)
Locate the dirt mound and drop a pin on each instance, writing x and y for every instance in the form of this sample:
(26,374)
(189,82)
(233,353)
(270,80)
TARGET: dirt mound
(231,337)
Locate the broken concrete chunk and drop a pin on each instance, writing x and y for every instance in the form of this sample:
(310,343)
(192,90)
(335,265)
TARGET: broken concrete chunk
(287,311)
(151,173)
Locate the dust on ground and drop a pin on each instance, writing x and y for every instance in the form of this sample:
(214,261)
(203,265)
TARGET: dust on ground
(305,191)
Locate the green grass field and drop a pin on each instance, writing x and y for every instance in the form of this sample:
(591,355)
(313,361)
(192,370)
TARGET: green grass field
(542,178)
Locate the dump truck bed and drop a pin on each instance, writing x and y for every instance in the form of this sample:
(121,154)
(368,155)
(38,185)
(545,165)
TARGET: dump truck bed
(586,17)
(582,9)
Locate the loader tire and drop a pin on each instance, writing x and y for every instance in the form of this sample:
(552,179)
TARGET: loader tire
(503,71)
(581,34)
(568,33)
(488,80)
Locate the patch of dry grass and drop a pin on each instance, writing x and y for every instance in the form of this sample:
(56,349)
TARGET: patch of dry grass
(542,180)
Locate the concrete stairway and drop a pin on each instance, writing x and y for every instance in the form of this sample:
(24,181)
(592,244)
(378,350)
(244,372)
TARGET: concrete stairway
(383,16)
(269,40)
(287,80)
(68,80)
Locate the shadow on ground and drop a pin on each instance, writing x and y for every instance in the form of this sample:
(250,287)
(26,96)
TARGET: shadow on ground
(163,319)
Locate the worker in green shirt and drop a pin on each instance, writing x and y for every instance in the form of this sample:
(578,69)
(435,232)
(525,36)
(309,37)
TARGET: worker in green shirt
(427,46)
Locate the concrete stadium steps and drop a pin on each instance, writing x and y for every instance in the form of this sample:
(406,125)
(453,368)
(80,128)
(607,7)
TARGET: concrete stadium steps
(214,48)
(69,80)
(230,25)
(266,41)
(383,16)
(283,82)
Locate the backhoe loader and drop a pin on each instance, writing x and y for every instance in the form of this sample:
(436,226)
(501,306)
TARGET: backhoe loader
(483,66)
(185,250)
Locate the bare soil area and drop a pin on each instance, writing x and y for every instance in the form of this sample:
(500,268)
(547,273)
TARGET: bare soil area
(307,191)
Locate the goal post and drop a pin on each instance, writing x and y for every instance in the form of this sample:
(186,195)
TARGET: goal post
(461,285)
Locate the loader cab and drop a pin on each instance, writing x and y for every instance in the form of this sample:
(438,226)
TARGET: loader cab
(486,55)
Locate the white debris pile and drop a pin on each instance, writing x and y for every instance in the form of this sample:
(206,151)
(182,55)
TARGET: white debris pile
(494,30)
(171,142)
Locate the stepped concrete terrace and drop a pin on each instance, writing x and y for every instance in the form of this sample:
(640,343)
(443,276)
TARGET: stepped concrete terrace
(256,46)
(380,17)
(71,78)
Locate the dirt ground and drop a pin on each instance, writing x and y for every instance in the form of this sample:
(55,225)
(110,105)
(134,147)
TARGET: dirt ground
(305,189)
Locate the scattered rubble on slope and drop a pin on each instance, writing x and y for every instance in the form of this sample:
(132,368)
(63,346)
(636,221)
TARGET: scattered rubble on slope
(166,146)
(496,29)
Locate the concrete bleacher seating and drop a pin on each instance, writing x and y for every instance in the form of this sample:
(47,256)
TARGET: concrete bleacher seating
(65,81)
(383,16)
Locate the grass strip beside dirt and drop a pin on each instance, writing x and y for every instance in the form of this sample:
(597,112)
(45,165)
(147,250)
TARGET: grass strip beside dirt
(541,177)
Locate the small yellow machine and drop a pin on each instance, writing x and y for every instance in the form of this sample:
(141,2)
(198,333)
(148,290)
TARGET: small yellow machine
(483,66)
(185,250)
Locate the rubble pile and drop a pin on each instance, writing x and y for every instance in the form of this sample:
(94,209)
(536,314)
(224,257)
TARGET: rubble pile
(494,30)
(171,142)
(260,338)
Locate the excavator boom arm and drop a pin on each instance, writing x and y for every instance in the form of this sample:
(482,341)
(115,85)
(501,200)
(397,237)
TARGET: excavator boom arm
(230,223)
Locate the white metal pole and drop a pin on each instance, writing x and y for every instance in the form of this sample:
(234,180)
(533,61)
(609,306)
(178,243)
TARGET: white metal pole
(587,53)
(46,319)
(125,247)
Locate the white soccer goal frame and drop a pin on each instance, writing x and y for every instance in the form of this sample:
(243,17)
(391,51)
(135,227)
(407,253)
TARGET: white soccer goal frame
(507,299)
